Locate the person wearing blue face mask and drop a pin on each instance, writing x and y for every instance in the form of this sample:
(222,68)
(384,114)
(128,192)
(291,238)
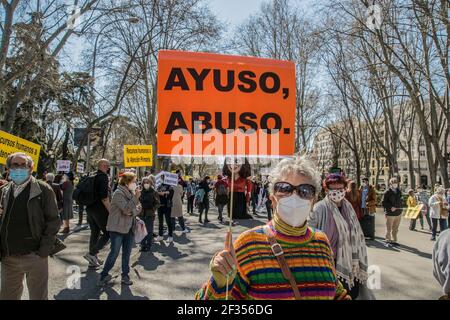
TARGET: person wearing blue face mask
(28,227)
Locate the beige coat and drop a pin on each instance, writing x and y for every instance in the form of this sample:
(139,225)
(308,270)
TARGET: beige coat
(123,211)
(177,208)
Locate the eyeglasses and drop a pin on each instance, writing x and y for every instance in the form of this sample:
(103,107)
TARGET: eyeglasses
(304,191)
(19,165)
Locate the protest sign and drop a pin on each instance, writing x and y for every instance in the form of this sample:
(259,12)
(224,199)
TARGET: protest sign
(63,166)
(138,156)
(80,167)
(170,179)
(211,105)
(413,212)
(10,144)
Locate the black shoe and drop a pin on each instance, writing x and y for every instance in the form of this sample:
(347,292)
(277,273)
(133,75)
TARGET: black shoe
(433,238)
(104,281)
(200,221)
(396,244)
(206,221)
(126,281)
(144,249)
(66,230)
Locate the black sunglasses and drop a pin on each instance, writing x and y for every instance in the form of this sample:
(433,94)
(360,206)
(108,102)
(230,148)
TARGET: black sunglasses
(304,191)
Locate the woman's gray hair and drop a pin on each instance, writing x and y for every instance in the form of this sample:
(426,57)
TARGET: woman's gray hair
(440,190)
(301,165)
(50,177)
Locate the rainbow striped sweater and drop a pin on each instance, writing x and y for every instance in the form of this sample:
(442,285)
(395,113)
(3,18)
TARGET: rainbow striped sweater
(307,252)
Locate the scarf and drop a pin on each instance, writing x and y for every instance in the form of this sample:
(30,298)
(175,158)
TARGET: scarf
(351,252)
(281,226)
(19,188)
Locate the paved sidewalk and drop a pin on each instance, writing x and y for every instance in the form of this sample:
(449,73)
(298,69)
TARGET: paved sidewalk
(176,271)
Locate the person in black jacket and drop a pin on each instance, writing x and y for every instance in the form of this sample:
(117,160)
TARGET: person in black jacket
(97,214)
(165,193)
(204,205)
(150,202)
(392,204)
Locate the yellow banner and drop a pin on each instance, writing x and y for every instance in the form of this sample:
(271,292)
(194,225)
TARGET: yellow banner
(413,212)
(137,156)
(10,144)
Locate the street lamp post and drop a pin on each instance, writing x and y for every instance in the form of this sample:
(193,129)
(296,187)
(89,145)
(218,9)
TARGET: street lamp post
(132,20)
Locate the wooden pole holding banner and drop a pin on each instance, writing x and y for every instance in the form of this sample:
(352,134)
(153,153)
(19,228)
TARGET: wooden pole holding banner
(230,234)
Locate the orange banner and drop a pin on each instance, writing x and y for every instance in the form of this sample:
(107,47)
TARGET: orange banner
(211,105)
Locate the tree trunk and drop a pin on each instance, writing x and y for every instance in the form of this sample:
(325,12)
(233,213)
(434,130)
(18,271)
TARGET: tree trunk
(412,177)
(65,145)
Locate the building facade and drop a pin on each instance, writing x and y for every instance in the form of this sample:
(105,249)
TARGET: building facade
(330,151)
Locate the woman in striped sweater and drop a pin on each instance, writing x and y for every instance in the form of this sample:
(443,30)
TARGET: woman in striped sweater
(253,269)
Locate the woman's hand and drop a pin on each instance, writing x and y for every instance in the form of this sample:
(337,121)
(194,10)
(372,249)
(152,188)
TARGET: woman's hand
(138,193)
(224,264)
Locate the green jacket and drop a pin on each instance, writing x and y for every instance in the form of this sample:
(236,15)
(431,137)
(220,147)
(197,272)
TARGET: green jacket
(42,214)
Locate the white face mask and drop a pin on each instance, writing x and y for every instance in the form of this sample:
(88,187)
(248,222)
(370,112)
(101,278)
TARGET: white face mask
(146,186)
(336,195)
(294,210)
(132,186)
(394,186)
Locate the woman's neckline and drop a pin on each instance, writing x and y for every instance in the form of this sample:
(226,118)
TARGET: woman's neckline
(281,227)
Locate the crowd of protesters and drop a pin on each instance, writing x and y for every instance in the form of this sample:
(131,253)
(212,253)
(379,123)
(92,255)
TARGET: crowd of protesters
(327,232)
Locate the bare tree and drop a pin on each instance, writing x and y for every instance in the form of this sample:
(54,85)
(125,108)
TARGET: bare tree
(407,56)
(176,25)
(281,31)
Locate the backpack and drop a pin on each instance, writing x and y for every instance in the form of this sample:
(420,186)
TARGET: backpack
(221,190)
(84,193)
(199,195)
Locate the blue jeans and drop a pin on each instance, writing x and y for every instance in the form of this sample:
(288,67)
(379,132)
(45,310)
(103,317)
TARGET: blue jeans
(119,240)
(442,226)
(149,223)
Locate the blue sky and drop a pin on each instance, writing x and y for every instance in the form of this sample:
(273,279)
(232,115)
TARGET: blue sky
(234,12)
(231,12)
